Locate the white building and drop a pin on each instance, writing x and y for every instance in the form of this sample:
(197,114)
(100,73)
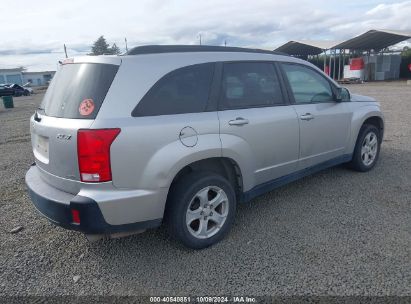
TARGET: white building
(20,77)
(38,78)
(11,76)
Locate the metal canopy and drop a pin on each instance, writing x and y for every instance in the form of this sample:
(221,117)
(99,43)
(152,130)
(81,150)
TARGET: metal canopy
(306,47)
(374,40)
(371,40)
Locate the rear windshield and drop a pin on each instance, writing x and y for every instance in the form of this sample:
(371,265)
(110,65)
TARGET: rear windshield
(78,90)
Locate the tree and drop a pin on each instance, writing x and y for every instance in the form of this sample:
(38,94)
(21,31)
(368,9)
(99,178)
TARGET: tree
(100,47)
(115,50)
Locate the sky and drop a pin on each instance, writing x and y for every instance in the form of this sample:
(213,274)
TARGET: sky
(33,35)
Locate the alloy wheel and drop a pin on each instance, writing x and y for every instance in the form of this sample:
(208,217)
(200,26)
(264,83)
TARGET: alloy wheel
(207,212)
(369,148)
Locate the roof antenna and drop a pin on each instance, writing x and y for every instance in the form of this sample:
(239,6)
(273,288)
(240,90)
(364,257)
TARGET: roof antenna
(65,50)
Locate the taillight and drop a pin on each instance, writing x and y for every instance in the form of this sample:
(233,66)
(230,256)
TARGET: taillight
(93,149)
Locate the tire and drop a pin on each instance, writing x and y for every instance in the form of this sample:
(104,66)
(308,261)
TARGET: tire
(196,191)
(364,158)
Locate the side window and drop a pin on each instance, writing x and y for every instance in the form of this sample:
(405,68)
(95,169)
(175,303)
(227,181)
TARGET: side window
(307,85)
(250,84)
(185,90)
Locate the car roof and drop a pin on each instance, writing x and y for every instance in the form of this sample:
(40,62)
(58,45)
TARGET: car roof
(159,49)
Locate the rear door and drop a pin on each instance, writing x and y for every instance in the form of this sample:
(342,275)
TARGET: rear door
(324,122)
(255,120)
(72,102)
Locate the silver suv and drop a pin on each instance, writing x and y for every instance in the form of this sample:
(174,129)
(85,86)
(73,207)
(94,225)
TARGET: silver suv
(184,133)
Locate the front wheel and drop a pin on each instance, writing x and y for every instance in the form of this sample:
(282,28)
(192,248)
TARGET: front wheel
(367,149)
(201,209)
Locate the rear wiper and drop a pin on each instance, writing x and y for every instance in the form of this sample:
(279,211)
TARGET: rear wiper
(36,115)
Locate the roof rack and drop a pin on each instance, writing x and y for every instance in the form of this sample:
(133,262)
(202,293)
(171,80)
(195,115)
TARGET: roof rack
(157,49)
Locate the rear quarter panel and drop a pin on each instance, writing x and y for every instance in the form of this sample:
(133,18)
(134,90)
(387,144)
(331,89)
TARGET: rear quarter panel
(148,153)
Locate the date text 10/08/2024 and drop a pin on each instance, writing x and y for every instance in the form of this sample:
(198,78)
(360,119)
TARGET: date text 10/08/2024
(203,299)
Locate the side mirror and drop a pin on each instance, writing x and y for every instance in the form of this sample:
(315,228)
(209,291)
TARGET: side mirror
(343,94)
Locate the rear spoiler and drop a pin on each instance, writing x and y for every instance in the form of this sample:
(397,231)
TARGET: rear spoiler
(115,60)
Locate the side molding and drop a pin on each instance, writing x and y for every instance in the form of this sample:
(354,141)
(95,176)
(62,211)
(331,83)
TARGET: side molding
(281,181)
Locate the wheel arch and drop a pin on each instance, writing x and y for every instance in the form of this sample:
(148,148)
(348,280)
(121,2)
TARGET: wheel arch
(371,116)
(358,163)
(376,121)
(224,166)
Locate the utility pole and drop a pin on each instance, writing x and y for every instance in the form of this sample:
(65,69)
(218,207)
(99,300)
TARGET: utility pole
(65,50)
(225,42)
(200,38)
(125,39)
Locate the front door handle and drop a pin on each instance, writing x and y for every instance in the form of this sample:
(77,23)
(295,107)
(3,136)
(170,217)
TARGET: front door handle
(307,116)
(239,121)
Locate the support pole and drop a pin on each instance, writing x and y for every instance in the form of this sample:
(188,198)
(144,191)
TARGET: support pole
(367,67)
(339,65)
(334,59)
(329,64)
(325,60)
(343,64)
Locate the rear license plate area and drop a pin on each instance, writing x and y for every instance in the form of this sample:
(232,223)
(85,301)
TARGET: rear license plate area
(41,148)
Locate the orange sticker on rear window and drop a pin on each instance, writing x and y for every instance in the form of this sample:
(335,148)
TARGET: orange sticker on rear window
(86,107)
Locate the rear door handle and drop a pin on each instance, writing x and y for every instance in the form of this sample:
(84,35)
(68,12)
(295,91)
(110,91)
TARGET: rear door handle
(239,121)
(307,116)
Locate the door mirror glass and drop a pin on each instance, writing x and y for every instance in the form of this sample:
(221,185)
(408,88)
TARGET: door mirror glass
(343,94)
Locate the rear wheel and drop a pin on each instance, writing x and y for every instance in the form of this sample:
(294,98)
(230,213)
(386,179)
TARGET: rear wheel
(201,209)
(367,149)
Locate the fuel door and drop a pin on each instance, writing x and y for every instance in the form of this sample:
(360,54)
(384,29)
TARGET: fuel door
(188,136)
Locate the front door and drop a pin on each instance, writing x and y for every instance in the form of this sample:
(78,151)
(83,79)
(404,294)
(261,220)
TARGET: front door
(324,122)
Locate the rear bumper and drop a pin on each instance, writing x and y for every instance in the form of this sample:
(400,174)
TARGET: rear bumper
(56,206)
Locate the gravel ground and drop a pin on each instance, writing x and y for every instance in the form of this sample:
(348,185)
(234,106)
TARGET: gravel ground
(337,232)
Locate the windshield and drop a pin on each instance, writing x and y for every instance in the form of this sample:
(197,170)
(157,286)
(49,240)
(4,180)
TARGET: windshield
(78,90)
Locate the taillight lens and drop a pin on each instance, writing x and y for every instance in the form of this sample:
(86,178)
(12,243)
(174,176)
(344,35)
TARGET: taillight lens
(93,150)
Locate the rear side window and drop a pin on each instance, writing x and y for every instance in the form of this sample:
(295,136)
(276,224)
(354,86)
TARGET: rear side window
(185,90)
(250,84)
(78,90)
(307,85)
